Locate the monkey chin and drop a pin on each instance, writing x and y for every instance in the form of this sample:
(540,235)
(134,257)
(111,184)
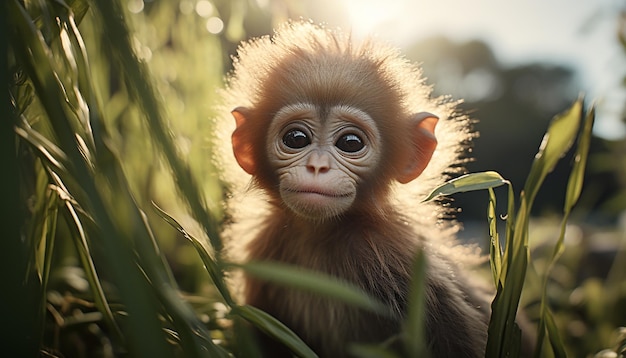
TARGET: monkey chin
(317,205)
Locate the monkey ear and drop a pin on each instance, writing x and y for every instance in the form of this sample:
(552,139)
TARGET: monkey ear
(242,148)
(422,130)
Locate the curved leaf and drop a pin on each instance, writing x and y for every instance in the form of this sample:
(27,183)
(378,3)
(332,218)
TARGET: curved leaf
(468,182)
(322,284)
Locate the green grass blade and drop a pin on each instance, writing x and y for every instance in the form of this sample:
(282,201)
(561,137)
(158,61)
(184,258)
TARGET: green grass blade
(510,215)
(274,328)
(47,151)
(468,182)
(495,250)
(207,259)
(574,188)
(48,237)
(415,324)
(557,140)
(245,342)
(322,284)
(576,178)
(38,63)
(558,348)
(503,333)
(82,247)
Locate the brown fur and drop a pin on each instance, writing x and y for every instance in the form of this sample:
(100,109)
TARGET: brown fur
(375,255)
(373,244)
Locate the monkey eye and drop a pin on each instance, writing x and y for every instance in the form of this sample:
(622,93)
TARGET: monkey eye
(296,139)
(350,143)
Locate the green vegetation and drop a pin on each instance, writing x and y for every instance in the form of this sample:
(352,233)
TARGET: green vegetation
(105,181)
(509,266)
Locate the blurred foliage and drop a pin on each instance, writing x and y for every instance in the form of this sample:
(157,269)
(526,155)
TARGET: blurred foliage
(93,269)
(512,105)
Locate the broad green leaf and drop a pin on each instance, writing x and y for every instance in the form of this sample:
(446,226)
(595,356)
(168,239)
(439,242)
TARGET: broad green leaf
(274,328)
(297,277)
(468,182)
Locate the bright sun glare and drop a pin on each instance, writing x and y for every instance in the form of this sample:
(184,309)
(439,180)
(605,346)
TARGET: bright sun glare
(366,15)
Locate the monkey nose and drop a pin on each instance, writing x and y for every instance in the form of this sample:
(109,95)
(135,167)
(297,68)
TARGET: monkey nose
(318,163)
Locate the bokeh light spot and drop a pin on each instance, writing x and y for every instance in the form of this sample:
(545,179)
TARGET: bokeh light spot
(204,8)
(214,25)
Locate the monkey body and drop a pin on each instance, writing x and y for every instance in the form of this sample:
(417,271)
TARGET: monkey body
(457,314)
(343,139)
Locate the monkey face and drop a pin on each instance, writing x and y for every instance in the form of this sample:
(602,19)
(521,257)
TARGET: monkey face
(324,127)
(321,157)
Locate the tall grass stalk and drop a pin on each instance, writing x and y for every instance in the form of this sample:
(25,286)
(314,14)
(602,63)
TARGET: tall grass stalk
(509,266)
(85,173)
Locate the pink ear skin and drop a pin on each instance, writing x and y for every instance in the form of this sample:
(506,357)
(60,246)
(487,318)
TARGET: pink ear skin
(242,148)
(424,144)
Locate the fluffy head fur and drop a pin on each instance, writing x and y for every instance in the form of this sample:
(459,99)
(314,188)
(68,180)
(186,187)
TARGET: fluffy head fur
(271,71)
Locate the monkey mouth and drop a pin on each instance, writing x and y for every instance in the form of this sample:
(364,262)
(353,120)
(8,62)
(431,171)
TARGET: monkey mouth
(317,203)
(317,191)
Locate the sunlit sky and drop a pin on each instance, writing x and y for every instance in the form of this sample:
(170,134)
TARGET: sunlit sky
(577,33)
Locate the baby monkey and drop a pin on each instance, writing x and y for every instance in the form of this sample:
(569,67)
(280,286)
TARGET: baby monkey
(344,139)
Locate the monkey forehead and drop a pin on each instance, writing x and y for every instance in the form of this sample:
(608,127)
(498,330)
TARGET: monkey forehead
(328,80)
(293,111)
(323,113)
(304,62)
